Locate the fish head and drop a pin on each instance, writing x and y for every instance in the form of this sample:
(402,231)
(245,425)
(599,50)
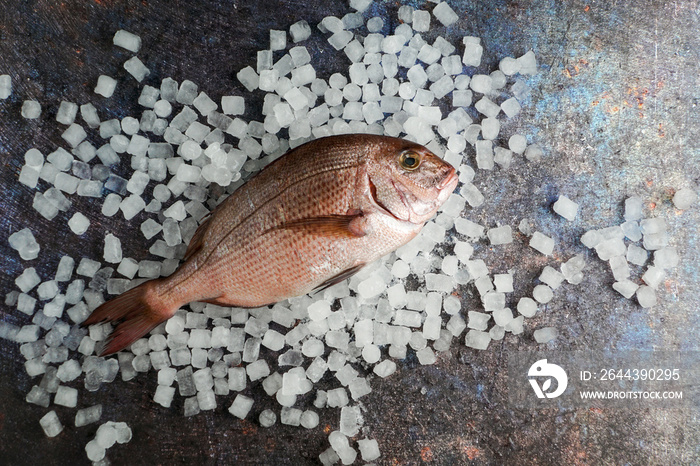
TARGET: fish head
(408,181)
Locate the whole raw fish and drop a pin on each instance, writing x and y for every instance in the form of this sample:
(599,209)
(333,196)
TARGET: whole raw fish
(309,220)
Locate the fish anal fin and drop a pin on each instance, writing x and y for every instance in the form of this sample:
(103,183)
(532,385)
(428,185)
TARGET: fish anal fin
(336,226)
(339,277)
(219,301)
(197,241)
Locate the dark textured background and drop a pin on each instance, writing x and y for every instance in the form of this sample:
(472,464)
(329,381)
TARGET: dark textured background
(615,108)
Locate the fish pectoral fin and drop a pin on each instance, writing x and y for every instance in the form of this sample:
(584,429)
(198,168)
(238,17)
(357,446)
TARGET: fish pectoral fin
(339,226)
(339,278)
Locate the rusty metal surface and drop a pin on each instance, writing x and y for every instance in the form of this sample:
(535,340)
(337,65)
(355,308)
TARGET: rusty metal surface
(615,108)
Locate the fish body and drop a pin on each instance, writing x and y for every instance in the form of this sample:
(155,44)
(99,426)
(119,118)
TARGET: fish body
(310,219)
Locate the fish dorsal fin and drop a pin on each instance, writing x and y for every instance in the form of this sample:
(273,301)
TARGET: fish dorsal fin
(337,226)
(197,241)
(339,278)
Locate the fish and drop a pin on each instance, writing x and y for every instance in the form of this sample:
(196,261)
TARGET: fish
(312,218)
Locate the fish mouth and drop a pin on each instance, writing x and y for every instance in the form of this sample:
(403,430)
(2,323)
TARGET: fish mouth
(450,181)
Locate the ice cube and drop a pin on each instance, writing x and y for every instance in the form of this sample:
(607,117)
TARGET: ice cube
(478,320)
(162,108)
(472,51)
(166,376)
(74,135)
(445,14)
(27,280)
(566,208)
(646,296)
(609,248)
(66,396)
(477,268)
(684,198)
(164,395)
(29,176)
(106,435)
(47,290)
(136,68)
(87,267)
(112,249)
(31,109)
(545,334)
(273,340)
(633,208)
(481,83)
(654,276)
(109,208)
(385,368)
(339,443)
(278,40)
(527,64)
(665,258)
(38,396)
(241,406)
(451,304)
(131,206)
(66,112)
(51,424)
(249,78)
(503,282)
(299,31)
(149,96)
(494,300)
(551,277)
(502,317)
(26,304)
(619,267)
(206,399)
(127,40)
(631,230)
(477,339)
(124,433)
(533,153)
(439,282)
(421,20)
(267,418)
(542,294)
(515,326)
(5,86)
(426,356)
(105,86)
(187,92)
(517,143)
(626,288)
(24,242)
(500,235)
(257,370)
(511,107)
(542,243)
(472,194)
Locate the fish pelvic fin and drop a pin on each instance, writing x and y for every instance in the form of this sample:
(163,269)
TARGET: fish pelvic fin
(135,313)
(339,278)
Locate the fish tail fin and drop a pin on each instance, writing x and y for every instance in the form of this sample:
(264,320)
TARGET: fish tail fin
(136,312)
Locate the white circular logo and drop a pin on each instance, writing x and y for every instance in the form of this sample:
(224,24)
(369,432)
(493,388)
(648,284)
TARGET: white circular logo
(543,370)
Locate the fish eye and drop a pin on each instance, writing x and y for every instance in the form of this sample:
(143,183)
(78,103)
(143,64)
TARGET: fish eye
(409,160)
